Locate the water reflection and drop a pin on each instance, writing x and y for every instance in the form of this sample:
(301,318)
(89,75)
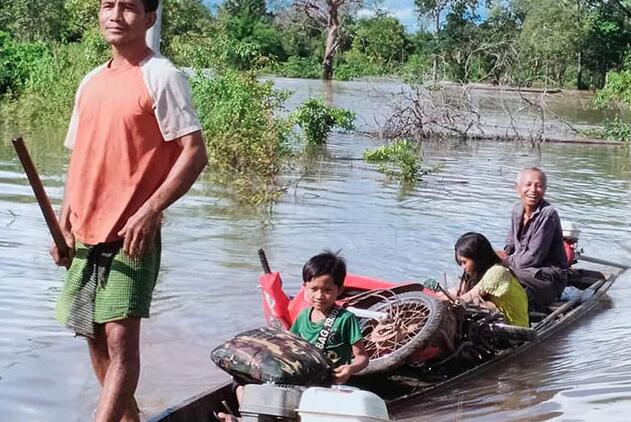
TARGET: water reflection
(207,289)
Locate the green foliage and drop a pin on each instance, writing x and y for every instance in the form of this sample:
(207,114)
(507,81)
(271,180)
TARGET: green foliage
(82,18)
(549,40)
(613,130)
(618,130)
(47,95)
(16,62)
(381,39)
(458,41)
(254,8)
(298,67)
(416,69)
(303,42)
(353,65)
(34,20)
(606,37)
(317,120)
(247,143)
(257,32)
(617,89)
(217,52)
(182,18)
(400,158)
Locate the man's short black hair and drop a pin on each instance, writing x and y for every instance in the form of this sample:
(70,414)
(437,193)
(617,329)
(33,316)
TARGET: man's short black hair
(325,263)
(150,5)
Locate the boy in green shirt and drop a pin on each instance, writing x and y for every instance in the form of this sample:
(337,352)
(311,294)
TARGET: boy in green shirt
(323,277)
(332,329)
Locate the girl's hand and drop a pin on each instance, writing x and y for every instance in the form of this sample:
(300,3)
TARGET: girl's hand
(342,373)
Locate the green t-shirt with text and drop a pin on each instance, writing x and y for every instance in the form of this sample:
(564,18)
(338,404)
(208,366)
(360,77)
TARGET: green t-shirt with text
(338,347)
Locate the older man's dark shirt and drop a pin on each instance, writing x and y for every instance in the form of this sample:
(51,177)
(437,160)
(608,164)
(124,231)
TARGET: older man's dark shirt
(536,254)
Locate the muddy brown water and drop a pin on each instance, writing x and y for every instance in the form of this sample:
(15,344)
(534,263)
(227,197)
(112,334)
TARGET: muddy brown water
(207,290)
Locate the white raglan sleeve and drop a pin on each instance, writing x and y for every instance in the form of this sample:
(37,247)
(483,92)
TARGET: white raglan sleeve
(172,99)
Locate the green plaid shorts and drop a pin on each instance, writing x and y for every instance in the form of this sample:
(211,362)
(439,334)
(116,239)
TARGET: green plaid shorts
(122,292)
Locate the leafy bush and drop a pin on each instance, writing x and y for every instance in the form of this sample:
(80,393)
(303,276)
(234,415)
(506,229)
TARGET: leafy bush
(217,52)
(353,65)
(16,62)
(246,142)
(617,89)
(381,38)
(400,159)
(298,67)
(617,130)
(417,68)
(47,95)
(317,119)
(613,130)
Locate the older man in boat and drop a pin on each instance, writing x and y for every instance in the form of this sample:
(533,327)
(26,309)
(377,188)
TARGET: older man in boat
(534,246)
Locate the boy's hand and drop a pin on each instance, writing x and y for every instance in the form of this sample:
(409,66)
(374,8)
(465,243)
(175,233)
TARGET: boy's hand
(342,373)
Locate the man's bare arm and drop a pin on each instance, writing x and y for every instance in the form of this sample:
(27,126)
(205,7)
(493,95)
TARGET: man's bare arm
(141,227)
(66,229)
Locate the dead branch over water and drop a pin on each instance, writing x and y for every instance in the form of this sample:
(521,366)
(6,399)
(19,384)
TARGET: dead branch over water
(463,111)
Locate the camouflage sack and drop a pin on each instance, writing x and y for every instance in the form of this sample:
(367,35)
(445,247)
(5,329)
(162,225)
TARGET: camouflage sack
(272,355)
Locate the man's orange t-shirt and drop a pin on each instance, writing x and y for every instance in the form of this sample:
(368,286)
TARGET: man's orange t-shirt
(120,132)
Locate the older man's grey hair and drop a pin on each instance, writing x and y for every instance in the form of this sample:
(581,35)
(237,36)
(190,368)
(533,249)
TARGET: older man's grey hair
(521,174)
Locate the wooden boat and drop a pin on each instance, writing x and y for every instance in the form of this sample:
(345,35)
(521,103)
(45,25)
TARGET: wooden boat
(425,377)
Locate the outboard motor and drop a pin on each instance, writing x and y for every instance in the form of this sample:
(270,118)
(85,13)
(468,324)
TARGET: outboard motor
(270,402)
(284,403)
(571,232)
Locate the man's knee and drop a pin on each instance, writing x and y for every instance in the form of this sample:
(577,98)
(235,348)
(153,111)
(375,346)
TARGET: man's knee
(123,339)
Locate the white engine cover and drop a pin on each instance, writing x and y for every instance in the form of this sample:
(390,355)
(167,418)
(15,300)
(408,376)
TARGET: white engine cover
(341,404)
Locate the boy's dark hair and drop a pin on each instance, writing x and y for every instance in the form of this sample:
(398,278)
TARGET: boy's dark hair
(325,263)
(150,5)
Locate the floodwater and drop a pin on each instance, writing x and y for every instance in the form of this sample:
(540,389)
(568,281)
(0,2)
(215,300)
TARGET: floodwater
(208,291)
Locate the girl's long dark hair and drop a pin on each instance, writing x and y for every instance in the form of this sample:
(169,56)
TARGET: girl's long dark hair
(477,248)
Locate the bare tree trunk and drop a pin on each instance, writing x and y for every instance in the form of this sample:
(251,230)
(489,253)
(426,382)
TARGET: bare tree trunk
(579,71)
(435,64)
(332,39)
(579,64)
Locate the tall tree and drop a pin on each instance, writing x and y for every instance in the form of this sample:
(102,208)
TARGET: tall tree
(34,20)
(255,8)
(436,11)
(332,16)
(382,39)
(248,23)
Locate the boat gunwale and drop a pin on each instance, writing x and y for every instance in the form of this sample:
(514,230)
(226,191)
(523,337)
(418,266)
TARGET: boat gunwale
(563,320)
(171,412)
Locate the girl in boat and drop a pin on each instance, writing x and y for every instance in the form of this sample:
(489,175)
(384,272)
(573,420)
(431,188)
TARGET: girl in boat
(487,282)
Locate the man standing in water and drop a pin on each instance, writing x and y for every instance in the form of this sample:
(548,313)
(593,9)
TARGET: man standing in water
(136,148)
(534,246)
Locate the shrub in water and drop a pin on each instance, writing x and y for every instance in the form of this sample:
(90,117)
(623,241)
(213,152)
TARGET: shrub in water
(317,120)
(400,158)
(246,142)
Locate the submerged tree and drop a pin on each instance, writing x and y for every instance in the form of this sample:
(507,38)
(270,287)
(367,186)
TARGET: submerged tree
(332,16)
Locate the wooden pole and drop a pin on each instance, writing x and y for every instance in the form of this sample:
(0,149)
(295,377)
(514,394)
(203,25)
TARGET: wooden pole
(586,258)
(41,196)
